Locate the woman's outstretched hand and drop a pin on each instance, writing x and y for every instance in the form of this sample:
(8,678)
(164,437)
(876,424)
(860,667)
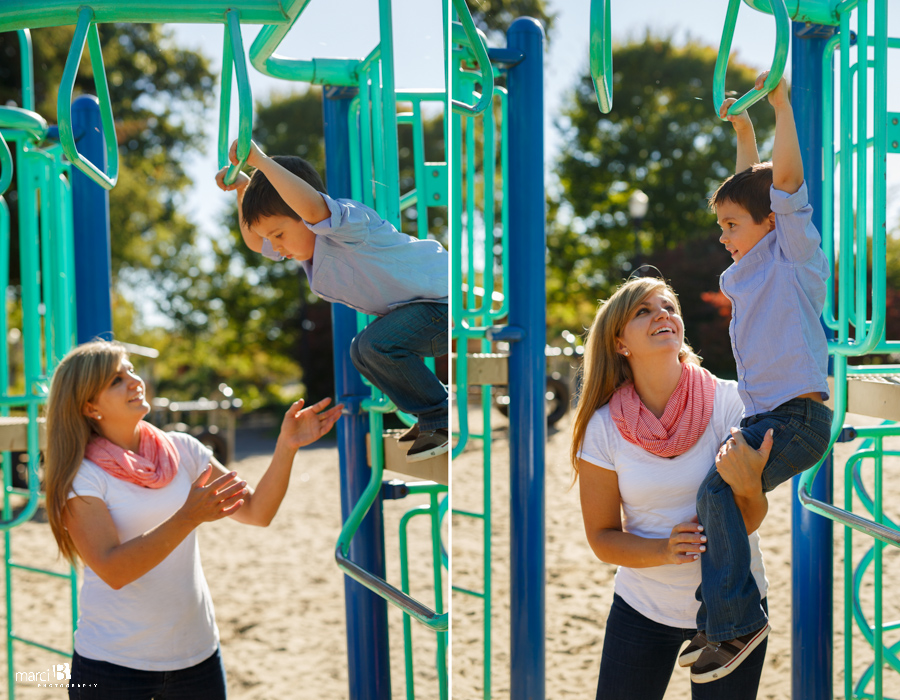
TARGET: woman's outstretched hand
(302,426)
(214,500)
(686,542)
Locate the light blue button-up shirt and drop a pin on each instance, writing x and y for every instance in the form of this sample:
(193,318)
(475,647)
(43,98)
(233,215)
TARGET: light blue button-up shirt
(361,260)
(777,292)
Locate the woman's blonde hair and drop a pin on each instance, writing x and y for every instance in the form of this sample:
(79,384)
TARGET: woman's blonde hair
(604,370)
(78,379)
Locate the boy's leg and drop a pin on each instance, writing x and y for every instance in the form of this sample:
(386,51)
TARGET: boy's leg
(728,594)
(389,352)
(801,430)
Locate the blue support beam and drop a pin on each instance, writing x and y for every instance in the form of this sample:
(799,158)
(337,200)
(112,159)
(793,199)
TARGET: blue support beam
(90,217)
(811,534)
(368,652)
(527,363)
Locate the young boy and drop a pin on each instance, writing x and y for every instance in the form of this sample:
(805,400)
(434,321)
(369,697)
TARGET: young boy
(352,256)
(777,291)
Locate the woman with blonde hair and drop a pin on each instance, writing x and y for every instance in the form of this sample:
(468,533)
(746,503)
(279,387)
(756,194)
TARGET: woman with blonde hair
(126,499)
(649,423)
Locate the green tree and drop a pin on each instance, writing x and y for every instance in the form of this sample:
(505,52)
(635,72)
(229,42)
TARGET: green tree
(662,137)
(493,17)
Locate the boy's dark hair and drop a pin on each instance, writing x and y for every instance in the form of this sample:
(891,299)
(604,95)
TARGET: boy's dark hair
(748,188)
(261,199)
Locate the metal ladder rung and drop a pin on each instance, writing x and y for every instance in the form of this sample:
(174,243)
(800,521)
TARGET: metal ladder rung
(45,647)
(35,570)
(466,591)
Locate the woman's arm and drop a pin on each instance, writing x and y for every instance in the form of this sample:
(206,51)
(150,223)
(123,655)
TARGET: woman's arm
(600,508)
(741,467)
(119,563)
(301,426)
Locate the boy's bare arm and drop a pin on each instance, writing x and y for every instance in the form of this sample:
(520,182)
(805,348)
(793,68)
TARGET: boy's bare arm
(297,193)
(787,163)
(253,241)
(747,152)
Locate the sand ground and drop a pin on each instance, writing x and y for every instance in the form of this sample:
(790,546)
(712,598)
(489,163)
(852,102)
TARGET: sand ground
(580,587)
(278,594)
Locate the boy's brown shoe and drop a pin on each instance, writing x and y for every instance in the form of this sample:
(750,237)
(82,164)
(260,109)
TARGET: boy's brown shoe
(410,435)
(430,443)
(720,659)
(693,650)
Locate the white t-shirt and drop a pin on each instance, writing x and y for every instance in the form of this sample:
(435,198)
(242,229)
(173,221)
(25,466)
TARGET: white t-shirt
(163,621)
(657,493)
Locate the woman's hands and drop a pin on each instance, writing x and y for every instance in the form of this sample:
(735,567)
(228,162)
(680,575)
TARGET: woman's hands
(218,499)
(302,426)
(740,466)
(686,542)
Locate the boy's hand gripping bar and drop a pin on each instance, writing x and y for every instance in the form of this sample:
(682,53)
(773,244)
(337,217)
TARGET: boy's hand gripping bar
(782,42)
(233,59)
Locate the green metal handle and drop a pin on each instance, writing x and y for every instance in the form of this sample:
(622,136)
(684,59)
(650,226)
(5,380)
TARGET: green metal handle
(6,165)
(601,53)
(26,60)
(86,29)
(782,43)
(376,584)
(321,71)
(233,57)
(477,44)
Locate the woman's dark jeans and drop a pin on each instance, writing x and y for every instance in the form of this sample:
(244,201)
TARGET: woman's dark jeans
(639,656)
(99,680)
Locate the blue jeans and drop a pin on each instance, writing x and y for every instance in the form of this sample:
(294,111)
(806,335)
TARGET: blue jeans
(389,351)
(639,655)
(728,594)
(106,681)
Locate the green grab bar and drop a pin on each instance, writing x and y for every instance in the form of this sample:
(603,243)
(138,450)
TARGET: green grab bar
(477,44)
(32,123)
(26,59)
(376,584)
(321,71)
(6,165)
(86,29)
(35,14)
(782,43)
(601,54)
(233,57)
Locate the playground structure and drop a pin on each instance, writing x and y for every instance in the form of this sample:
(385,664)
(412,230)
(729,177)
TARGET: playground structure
(499,149)
(62,175)
(854,143)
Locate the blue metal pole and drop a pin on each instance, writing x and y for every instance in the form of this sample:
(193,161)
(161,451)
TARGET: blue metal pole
(527,364)
(90,215)
(368,653)
(811,534)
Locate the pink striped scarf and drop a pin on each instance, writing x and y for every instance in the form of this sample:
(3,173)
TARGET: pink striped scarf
(153,467)
(682,423)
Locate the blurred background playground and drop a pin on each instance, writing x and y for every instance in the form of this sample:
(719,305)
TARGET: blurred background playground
(207,321)
(624,189)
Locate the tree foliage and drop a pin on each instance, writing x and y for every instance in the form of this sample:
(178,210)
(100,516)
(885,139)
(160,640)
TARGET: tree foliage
(662,137)
(494,17)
